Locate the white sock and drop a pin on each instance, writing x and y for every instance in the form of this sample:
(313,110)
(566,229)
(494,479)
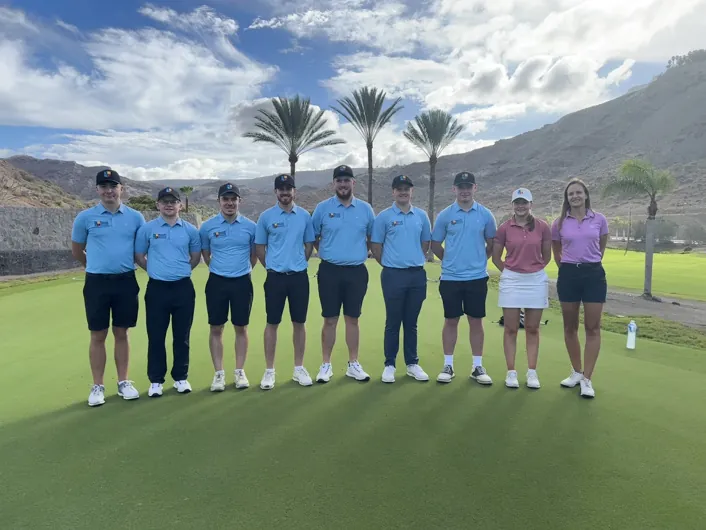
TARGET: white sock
(449,360)
(222,372)
(269,370)
(477,360)
(300,366)
(512,372)
(531,372)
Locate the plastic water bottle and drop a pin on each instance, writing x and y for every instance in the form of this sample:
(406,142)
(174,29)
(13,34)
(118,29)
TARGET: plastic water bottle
(632,334)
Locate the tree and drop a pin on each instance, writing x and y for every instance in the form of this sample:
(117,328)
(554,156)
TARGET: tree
(293,126)
(694,56)
(186,190)
(639,178)
(432,132)
(142,203)
(364,112)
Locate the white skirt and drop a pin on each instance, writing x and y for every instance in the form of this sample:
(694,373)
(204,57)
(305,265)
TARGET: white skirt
(524,290)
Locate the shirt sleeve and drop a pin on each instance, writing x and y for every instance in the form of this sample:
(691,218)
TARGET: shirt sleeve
(142,221)
(316,220)
(491,226)
(194,240)
(378,232)
(79,234)
(203,235)
(556,236)
(439,232)
(309,236)
(426,227)
(261,231)
(500,235)
(371,220)
(604,226)
(142,240)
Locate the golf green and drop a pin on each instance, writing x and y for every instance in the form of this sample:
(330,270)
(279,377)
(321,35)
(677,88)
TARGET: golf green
(408,455)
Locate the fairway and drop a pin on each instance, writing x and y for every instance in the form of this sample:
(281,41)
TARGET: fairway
(345,455)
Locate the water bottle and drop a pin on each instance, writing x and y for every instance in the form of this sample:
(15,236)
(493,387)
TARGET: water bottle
(632,334)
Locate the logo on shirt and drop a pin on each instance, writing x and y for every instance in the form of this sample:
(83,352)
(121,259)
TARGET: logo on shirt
(453,222)
(98,223)
(332,215)
(217,234)
(159,236)
(396,223)
(278,225)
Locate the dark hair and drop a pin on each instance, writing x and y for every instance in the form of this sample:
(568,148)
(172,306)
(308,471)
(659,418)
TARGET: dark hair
(565,207)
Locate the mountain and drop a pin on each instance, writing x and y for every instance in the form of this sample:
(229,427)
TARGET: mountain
(663,121)
(19,188)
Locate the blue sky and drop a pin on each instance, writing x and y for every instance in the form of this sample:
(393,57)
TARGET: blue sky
(166,89)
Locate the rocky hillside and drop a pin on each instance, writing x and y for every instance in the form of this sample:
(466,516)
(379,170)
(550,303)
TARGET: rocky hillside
(19,188)
(664,121)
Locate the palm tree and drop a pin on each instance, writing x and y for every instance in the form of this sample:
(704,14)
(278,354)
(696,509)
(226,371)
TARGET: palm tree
(294,126)
(364,112)
(639,178)
(432,132)
(186,190)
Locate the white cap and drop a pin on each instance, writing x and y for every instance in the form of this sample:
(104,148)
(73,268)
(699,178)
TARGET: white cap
(522,193)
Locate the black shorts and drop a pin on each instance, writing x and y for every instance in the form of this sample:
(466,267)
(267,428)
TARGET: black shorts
(223,294)
(342,286)
(585,282)
(104,294)
(283,287)
(466,297)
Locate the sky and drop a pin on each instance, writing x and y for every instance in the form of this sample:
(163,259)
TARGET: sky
(167,89)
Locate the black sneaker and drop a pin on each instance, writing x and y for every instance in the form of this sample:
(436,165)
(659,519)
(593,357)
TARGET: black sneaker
(446,375)
(481,376)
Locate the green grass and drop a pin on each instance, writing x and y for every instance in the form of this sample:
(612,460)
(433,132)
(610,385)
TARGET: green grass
(345,455)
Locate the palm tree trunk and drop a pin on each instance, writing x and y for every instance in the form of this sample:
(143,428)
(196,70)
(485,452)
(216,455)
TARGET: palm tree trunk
(370,174)
(649,255)
(292,166)
(432,186)
(187,204)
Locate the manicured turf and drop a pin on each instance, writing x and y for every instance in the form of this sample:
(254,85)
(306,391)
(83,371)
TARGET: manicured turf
(344,455)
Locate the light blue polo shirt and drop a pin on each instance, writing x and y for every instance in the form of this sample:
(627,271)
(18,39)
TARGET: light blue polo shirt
(230,244)
(168,248)
(401,235)
(344,230)
(285,233)
(109,238)
(464,234)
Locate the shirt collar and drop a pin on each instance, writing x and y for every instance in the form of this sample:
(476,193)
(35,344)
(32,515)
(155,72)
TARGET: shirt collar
(221,219)
(589,214)
(164,222)
(398,211)
(338,202)
(458,207)
(282,210)
(103,209)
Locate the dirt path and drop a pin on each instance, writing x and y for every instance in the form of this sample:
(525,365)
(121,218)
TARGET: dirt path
(688,312)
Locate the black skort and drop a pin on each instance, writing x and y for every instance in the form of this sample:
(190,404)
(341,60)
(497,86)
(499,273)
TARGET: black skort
(466,297)
(281,287)
(234,294)
(104,294)
(342,285)
(583,282)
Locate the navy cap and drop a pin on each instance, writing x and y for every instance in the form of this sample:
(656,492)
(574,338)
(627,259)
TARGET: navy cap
(108,175)
(401,180)
(284,180)
(166,192)
(228,189)
(343,172)
(464,178)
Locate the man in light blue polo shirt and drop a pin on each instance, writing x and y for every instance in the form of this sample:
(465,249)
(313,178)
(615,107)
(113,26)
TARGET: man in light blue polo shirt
(168,248)
(467,230)
(342,225)
(401,236)
(228,248)
(284,240)
(103,241)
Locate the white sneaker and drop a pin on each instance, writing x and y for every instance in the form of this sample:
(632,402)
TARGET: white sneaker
(532,380)
(241,380)
(268,380)
(511,379)
(325,373)
(481,376)
(97,396)
(355,370)
(446,375)
(414,370)
(127,390)
(183,386)
(587,388)
(219,382)
(301,376)
(155,390)
(388,374)
(574,379)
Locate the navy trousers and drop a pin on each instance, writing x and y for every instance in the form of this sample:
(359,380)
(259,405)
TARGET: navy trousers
(404,291)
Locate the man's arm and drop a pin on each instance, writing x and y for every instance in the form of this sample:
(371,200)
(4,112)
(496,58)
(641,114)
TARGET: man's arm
(308,249)
(79,237)
(142,243)
(78,251)
(206,256)
(376,249)
(437,249)
(489,247)
(497,256)
(426,234)
(491,228)
(438,235)
(260,252)
(195,259)
(194,246)
(253,256)
(309,238)
(141,260)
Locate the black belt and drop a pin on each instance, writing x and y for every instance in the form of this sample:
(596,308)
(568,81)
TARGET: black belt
(229,277)
(117,276)
(287,273)
(323,261)
(583,265)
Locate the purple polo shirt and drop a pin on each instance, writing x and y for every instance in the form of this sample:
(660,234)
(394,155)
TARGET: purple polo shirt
(580,241)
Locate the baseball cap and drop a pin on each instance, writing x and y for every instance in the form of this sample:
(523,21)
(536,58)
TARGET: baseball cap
(166,192)
(464,178)
(107,175)
(228,189)
(284,180)
(522,193)
(343,171)
(401,180)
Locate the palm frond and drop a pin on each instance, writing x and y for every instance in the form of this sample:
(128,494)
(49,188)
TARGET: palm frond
(433,131)
(364,111)
(639,178)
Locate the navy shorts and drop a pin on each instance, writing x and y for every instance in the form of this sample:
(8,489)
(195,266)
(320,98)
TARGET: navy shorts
(583,282)
(106,295)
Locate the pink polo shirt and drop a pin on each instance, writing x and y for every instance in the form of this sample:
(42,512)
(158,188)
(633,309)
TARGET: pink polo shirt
(580,241)
(524,248)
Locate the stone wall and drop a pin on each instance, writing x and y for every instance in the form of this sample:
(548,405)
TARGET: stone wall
(34,240)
